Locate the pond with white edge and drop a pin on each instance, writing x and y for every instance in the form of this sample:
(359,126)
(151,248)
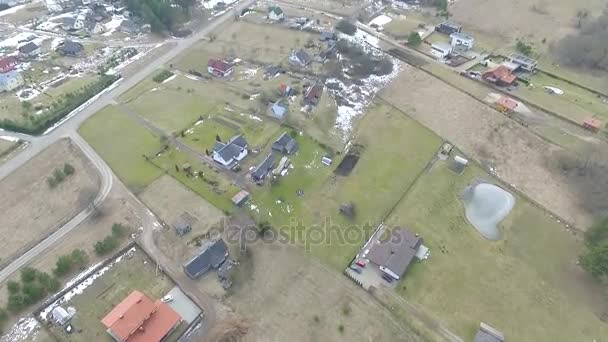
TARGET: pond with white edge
(486,205)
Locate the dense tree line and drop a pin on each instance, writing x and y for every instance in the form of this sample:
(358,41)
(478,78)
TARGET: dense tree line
(162,15)
(588,47)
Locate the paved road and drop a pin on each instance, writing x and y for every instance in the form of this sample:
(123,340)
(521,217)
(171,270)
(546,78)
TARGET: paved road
(68,129)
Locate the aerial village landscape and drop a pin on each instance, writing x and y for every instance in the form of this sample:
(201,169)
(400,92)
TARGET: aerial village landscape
(288,170)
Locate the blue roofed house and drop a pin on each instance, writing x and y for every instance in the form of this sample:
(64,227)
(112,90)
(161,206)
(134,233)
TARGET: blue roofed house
(10,80)
(278,110)
(230,153)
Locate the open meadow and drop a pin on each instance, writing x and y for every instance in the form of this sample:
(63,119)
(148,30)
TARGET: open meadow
(531,275)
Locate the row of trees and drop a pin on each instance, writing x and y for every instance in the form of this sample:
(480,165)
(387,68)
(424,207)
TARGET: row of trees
(595,259)
(110,242)
(589,46)
(33,286)
(162,15)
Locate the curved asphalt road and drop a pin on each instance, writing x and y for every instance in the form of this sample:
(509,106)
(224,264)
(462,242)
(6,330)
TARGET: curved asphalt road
(69,127)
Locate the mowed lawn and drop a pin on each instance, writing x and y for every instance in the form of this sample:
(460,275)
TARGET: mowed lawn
(526,285)
(396,150)
(122,143)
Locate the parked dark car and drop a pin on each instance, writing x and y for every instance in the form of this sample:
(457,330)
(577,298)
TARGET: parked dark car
(388,278)
(356,268)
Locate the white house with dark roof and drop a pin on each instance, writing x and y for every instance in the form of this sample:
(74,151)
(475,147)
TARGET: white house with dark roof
(299,58)
(275,13)
(230,153)
(462,40)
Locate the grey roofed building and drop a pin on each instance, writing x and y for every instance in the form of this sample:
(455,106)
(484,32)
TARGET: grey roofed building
(299,57)
(488,334)
(29,48)
(326,35)
(233,151)
(448,27)
(285,144)
(71,48)
(60,315)
(184,224)
(262,170)
(278,110)
(395,254)
(526,63)
(211,257)
(68,23)
(240,198)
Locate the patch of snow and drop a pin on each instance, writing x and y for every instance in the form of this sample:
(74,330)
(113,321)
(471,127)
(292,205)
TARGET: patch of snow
(113,24)
(56,42)
(381,20)
(25,329)
(31,94)
(7,138)
(169,79)
(210,4)
(11,10)
(248,74)
(198,122)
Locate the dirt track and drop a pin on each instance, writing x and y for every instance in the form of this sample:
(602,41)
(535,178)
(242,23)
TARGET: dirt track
(519,157)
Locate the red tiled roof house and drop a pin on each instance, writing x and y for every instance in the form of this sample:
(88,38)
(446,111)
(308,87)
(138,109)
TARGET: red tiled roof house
(501,76)
(138,319)
(7,64)
(219,68)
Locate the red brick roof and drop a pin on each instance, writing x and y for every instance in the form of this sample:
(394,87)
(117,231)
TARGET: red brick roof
(7,64)
(138,319)
(501,73)
(592,122)
(507,102)
(219,65)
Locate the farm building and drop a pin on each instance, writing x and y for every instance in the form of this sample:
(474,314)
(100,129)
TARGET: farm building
(592,124)
(501,76)
(262,170)
(488,334)
(70,48)
(219,68)
(60,315)
(285,144)
(525,63)
(278,110)
(394,255)
(230,153)
(448,27)
(138,319)
(211,257)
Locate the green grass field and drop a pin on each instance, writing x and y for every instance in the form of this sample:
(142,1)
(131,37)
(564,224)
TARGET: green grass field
(122,142)
(529,279)
(374,185)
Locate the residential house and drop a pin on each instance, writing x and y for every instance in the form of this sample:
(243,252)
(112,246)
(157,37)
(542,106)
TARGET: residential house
(7,64)
(448,27)
(488,334)
(394,255)
(70,48)
(299,58)
(441,50)
(60,315)
(501,76)
(278,110)
(73,23)
(273,71)
(129,26)
(285,144)
(138,319)
(212,255)
(219,68)
(29,50)
(327,36)
(231,153)
(525,63)
(325,53)
(286,90)
(275,13)
(262,170)
(313,94)
(462,41)
(10,80)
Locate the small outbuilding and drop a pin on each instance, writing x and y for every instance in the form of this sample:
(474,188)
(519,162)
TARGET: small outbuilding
(506,105)
(184,224)
(593,124)
(275,13)
(488,334)
(240,198)
(60,315)
(285,144)
(262,170)
(348,210)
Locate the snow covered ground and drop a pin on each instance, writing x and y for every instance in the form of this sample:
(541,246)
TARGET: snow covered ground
(210,4)
(11,10)
(380,20)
